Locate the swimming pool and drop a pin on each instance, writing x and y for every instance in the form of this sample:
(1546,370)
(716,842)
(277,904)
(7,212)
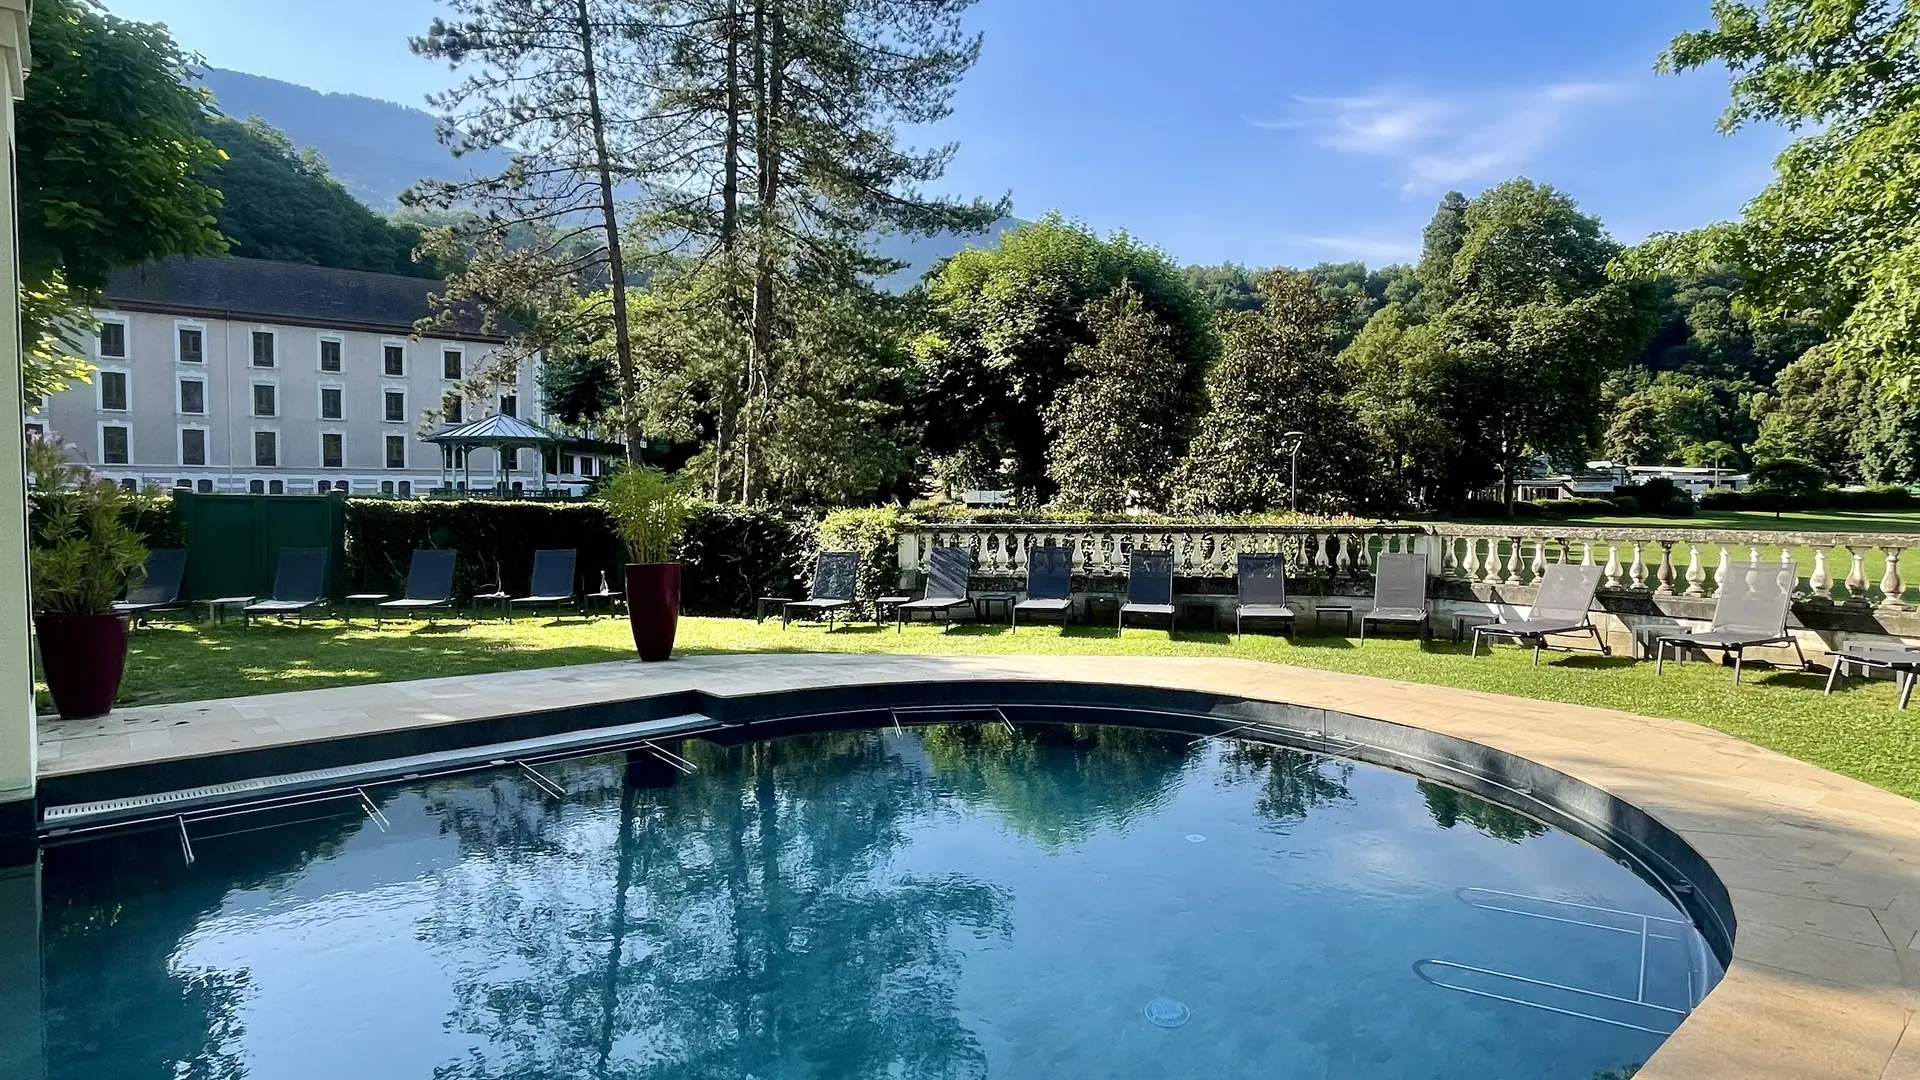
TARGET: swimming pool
(1095,899)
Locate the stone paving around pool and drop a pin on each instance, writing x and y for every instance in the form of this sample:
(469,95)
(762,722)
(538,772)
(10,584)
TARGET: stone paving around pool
(1823,871)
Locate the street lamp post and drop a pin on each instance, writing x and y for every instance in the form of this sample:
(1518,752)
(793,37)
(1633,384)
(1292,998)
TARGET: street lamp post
(1293,440)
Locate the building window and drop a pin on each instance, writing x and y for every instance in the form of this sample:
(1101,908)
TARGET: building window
(127,484)
(266,448)
(113,391)
(36,431)
(509,405)
(113,339)
(339,485)
(330,403)
(393,360)
(183,484)
(396,452)
(330,449)
(321,487)
(193,446)
(192,345)
(193,396)
(586,466)
(566,464)
(329,355)
(450,363)
(256,487)
(204,487)
(451,407)
(263,348)
(406,489)
(263,399)
(386,487)
(396,406)
(115,445)
(276,487)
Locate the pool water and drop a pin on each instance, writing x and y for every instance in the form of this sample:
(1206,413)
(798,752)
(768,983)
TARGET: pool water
(945,902)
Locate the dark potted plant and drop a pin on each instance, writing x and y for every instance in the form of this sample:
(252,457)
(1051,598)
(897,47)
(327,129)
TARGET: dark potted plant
(649,508)
(83,554)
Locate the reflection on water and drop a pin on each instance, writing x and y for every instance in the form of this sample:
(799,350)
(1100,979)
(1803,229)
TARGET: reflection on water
(952,902)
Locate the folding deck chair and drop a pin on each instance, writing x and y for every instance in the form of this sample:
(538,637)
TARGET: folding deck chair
(429,583)
(159,588)
(1399,592)
(553,580)
(299,582)
(1049,585)
(1560,607)
(1149,588)
(1260,583)
(834,576)
(1749,612)
(948,571)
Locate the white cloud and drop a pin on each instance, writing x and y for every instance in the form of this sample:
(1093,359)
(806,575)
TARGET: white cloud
(1440,141)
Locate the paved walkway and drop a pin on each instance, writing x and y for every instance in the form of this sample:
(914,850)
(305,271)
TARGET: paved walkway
(1823,871)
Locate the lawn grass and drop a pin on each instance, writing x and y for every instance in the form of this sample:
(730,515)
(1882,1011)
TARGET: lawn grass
(1857,732)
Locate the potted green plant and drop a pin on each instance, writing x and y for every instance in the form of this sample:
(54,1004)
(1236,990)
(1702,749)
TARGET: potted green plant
(82,555)
(649,508)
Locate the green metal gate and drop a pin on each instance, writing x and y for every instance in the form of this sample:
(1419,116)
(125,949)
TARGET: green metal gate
(234,541)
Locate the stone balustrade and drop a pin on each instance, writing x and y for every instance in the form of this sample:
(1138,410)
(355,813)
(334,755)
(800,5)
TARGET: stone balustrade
(1854,569)
(1332,551)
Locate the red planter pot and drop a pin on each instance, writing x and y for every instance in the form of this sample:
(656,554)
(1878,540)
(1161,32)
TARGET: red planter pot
(653,607)
(83,657)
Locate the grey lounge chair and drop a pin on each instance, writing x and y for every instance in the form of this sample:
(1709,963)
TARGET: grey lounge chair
(159,588)
(1261,584)
(1560,607)
(429,583)
(553,580)
(834,578)
(299,582)
(1049,585)
(1149,588)
(1399,592)
(1750,612)
(948,571)
(1901,660)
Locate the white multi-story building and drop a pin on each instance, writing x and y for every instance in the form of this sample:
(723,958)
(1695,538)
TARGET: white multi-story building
(244,375)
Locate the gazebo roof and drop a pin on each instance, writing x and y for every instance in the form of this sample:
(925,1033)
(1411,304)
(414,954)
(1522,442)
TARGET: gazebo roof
(495,431)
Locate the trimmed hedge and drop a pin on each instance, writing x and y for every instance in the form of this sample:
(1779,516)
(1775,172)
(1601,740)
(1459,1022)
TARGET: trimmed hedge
(1881,497)
(875,534)
(728,554)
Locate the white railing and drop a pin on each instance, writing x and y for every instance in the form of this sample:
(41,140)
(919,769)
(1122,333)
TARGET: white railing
(1331,551)
(1679,562)
(1855,569)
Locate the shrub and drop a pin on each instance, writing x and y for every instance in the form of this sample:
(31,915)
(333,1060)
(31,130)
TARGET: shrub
(151,515)
(730,555)
(495,540)
(1578,506)
(875,534)
(1877,497)
(1723,499)
(649,508)
(1625,504)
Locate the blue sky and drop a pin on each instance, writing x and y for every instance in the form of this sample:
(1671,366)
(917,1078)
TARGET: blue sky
(1258,131)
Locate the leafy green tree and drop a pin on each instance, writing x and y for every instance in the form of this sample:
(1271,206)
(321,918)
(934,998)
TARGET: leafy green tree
(1517,338)
(1396,375)
(1226,287)
(1664,421)
(1449,807)
(1003,322)
(280,202)
(1839,228)
(1117,428)
(109,161)
(1795,478)
(1811,413)
(1277,374)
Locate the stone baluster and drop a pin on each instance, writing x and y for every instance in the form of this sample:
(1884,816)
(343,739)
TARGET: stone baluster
(1637,572)
(1514,557)
(1586,553)
(1720,570)
(1753,553)
(1696,573)
(1538,568)
(1664,575)
(1472,564)
(1820,581)
(1892,588)
(1613,569)
(1342,558)
(1363,553)
(1857,575)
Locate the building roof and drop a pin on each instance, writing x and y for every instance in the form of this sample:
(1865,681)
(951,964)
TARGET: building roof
(495,430)
(268,291)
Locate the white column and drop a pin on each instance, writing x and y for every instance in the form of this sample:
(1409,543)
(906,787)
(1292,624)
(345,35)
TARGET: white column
(18,755)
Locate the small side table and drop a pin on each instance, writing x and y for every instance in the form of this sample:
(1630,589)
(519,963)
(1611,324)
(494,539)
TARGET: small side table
(362,599)
(1321,610)
(588,601)
(761,604)
(1106,604)
(1184,605)
(220,607)
(884,604)
(1465,621)
(504,599)
(983,604)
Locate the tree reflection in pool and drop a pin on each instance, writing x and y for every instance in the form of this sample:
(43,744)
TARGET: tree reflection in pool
(951,902)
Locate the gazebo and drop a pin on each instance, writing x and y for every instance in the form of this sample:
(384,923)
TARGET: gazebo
(502,434)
